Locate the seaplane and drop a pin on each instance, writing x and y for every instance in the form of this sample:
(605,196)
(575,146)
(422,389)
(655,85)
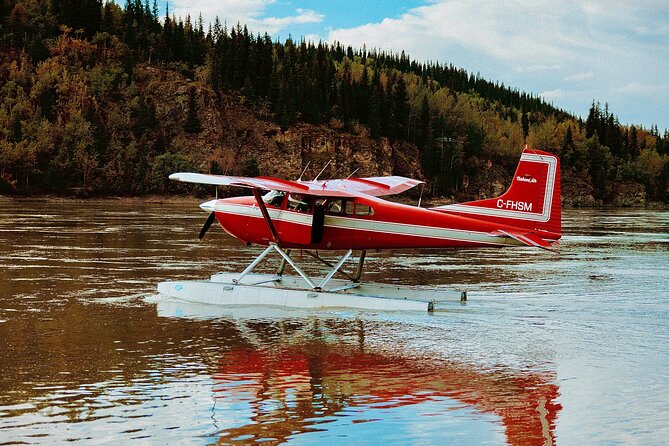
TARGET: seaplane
(313,216)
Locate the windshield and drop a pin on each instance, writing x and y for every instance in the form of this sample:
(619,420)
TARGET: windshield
(274,198)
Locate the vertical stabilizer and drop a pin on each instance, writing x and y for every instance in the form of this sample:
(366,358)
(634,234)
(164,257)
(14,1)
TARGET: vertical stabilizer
(532,201)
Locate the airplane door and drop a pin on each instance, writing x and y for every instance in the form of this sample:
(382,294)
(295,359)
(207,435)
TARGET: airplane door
(318,224)
(296,221)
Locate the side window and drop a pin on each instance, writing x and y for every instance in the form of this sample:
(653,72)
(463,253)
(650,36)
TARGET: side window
(299,203)
(335,207)
(363,209)
(349,207)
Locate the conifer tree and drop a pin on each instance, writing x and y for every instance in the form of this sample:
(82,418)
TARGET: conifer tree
(400,109)
(192,121)
(423,133)
(633,144)
(591,123)
(568,148)
(525,123)
(375,118)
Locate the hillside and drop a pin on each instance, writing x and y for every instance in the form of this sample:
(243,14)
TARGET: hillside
(114,107)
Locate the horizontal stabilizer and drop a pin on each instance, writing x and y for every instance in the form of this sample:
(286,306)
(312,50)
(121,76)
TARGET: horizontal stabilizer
(529,239)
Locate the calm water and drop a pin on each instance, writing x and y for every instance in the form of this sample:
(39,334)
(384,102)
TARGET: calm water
(569,349)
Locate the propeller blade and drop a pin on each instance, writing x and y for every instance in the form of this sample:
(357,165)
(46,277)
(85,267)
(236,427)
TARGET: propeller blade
(207,224)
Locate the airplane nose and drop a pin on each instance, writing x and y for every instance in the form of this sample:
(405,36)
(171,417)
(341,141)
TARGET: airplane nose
(208,206)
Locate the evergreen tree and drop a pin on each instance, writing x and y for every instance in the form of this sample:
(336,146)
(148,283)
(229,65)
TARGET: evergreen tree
(601,164)
(423,133)
(376,105)
(525,123)
(3,15)
(362,96)
(591,123)
(192,121)
(568,147)
(633,144)
(346,95)
(400,109)
(79,14)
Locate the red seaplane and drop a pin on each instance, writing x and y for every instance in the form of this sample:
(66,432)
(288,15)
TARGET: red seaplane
(348,214)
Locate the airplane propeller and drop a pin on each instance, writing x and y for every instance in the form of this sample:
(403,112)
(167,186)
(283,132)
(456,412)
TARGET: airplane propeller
(207,224)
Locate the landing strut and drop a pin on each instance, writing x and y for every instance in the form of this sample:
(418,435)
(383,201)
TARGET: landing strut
(304,291)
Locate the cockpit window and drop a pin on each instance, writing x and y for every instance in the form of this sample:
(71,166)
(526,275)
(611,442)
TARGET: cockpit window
(358,209)
(363,209)
(299,203)
(274,198)
(334,206)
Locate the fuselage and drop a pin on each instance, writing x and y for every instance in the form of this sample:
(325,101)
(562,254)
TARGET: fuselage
(357,223)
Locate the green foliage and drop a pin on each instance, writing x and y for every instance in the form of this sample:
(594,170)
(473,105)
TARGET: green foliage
(192,121)
(250,167)
(163,166)
(651,169)
(601,164)
(80,111)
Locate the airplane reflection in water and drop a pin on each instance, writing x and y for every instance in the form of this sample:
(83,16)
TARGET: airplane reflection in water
(301,376)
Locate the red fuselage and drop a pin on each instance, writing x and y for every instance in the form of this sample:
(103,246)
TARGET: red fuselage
(358,223)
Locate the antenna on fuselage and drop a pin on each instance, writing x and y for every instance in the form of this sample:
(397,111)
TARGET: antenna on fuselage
(334,173)
(322,170)
(305,169)
(352,173)
(422,187)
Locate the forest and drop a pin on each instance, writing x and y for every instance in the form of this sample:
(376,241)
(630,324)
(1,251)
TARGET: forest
(106,99)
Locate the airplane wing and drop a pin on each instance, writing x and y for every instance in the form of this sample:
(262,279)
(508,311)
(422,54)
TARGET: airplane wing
(349,187)
(264,183)
(374,186)
(528,238)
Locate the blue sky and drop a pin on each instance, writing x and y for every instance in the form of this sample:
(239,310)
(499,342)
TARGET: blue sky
(569,51)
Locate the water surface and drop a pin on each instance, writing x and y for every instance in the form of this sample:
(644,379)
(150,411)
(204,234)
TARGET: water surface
(549,349)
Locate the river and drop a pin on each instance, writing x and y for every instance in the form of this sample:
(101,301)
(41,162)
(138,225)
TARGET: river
(549,349)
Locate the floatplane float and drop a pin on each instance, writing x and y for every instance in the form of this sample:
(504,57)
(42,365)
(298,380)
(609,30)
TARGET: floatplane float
(349,215)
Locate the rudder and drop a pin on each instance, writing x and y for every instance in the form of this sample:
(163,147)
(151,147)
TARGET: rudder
(531,202)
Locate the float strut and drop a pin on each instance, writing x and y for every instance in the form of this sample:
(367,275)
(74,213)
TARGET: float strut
(290,261)
(332,272)
(282,265)
(287,260)
(361,262)
(254,263)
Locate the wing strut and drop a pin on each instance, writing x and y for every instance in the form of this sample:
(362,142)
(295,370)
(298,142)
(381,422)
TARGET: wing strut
(265,214)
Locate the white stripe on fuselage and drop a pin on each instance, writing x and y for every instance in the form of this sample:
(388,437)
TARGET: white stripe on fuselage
(359,224)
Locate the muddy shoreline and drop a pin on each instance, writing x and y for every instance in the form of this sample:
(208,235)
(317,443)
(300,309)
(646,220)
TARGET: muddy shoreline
(190,199)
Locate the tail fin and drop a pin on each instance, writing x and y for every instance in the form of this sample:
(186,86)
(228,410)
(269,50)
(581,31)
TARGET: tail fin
(532,201)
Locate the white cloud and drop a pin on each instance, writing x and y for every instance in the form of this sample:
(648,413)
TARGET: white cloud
(551,95)
(539,45)
(493,29)
(637,88)
(230,11)
(315,38)
(580,76)
(275,24)
(245,12)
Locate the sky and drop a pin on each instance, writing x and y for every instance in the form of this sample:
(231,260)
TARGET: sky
(569,52)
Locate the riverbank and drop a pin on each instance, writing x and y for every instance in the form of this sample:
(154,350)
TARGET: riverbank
(191,199)
(146,199)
